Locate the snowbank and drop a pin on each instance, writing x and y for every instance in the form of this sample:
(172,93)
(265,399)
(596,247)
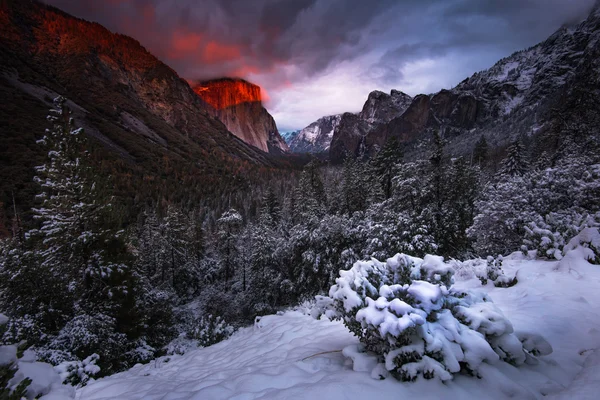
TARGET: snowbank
(293,356)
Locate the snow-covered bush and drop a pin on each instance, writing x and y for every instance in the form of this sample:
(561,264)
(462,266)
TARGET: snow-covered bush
(495,274)
(550,234)
(9,389)
(210,330)
(22,377)
(587,242)
(78,373)
(86,334)
(405,311)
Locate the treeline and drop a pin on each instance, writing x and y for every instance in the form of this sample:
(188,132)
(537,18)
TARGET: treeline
(82,282)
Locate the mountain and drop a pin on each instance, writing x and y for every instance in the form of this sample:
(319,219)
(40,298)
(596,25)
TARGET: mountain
(289,136)
(238,104)
(521,94)
(380,108)
(316,137)
(145,118)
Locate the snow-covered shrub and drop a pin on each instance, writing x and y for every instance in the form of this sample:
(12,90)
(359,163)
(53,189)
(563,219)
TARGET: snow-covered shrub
(22,377)
(495,274)
(78,373)
(9,355)
(405,311)
(550,234)
(87,334)
(587,242)
(208,330)
(198,331)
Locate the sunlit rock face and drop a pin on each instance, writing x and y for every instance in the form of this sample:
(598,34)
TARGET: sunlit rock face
(126,99)
(238,104)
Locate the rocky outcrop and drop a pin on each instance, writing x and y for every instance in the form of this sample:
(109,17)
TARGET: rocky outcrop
(348,137)
(238,104)
(512,98)
(379,109)
(316,137)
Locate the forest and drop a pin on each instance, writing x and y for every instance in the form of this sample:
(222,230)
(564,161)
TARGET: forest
(91,279)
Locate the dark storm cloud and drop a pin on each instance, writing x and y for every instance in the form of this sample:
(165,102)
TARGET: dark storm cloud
(305,46)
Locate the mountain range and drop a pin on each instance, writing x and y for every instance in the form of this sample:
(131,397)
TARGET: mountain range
(147,119)
(520,95)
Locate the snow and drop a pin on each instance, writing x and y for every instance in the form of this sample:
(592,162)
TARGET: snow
(513,103)
(45,381)
(506,69)
(294,356)
(427,295)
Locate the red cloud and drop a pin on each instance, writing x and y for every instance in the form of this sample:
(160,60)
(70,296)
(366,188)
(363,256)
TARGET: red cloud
(184,44)
(193,45)
(214,53)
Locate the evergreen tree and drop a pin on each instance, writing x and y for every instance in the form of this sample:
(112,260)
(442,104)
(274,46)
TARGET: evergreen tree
(309,195)
(229,226)
(462,193)
(355,186)
(271,205)
(515,162)
(81,256)
(436,192)
(385,165)
(480,152)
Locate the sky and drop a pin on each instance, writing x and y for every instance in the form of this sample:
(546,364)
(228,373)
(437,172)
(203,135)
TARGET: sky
(322,57)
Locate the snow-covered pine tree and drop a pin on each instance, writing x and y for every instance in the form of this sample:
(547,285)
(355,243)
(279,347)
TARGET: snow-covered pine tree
(177,249)
(355,186)
(385,165)
(229,225)
(271,205)
(515,162)
(435,195)
(480,152)
(462,193)
(309,195)
(76,243)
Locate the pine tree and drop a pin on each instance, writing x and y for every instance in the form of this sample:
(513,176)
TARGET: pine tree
(229,226)
(309,196)
(515,162)
(480,152)
(177,245)
(462,193)
(83,256)
(355,186)
(271,205)
(385,165)
(436,193)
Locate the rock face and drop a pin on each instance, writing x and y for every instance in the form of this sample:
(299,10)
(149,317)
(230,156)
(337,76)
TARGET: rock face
(381,107)
(355,129)
(514,97)
(316,137)
(150,124)
(123,95)
(238,104)
(289,136)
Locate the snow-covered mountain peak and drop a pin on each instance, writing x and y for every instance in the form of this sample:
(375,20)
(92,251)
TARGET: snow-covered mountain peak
(316,137)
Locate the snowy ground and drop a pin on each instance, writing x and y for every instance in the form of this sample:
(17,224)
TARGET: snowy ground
(279,357)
